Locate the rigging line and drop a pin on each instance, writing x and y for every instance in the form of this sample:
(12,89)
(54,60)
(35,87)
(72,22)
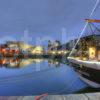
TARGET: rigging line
(94,8)
(95,27)
(78,39)
(91,28)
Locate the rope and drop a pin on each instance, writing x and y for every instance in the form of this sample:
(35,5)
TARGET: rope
(91,28)
(95,27)
(94,8)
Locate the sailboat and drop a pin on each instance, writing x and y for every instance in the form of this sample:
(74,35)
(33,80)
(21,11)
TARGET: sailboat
(88,56)
(86,52)
(89,52)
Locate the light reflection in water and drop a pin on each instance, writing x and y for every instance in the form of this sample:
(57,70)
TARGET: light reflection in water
(52,77)
(18,63)
(21,63)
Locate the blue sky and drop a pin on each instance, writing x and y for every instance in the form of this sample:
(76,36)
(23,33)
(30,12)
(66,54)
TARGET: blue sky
(43,18)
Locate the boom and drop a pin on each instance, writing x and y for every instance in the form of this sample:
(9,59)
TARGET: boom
(92,20)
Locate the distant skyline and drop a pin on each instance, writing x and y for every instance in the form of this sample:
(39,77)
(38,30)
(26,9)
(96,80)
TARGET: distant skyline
(43,18)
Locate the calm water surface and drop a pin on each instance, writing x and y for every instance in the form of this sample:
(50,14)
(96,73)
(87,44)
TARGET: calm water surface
(38,76)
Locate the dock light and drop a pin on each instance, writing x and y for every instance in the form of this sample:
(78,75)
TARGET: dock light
(3,50)
(59,52)
(62,51)
(53,52)
(84,58)
(65,52)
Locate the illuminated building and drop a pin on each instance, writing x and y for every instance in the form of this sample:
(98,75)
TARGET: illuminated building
(37,50)
(15,48)
(56,48)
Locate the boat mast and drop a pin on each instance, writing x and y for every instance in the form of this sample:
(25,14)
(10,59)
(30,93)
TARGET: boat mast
(93,10)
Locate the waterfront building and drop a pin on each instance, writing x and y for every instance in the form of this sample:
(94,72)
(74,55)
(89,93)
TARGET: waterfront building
(37,50)
(12,48)
(56,48)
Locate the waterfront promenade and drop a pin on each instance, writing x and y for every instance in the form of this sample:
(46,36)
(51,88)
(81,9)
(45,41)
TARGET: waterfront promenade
(86,96)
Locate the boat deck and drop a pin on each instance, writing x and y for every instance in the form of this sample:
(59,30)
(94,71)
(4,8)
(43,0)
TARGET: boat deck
(90,63)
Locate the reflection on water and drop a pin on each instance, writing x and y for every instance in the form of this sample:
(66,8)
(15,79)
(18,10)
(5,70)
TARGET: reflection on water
(55,62)
(17,63)
(21,63)
(38,76)
(89,75)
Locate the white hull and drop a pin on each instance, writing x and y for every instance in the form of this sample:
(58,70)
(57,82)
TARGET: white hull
(89,64)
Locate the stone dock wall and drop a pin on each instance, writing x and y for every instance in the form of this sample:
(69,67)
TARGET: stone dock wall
(86,96)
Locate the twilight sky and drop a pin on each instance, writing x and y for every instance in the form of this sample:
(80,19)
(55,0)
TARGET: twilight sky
(34,21)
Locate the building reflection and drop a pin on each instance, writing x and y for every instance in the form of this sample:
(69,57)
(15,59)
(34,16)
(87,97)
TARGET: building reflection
(54,62)
(89,76)
(17,63)
(21,63)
